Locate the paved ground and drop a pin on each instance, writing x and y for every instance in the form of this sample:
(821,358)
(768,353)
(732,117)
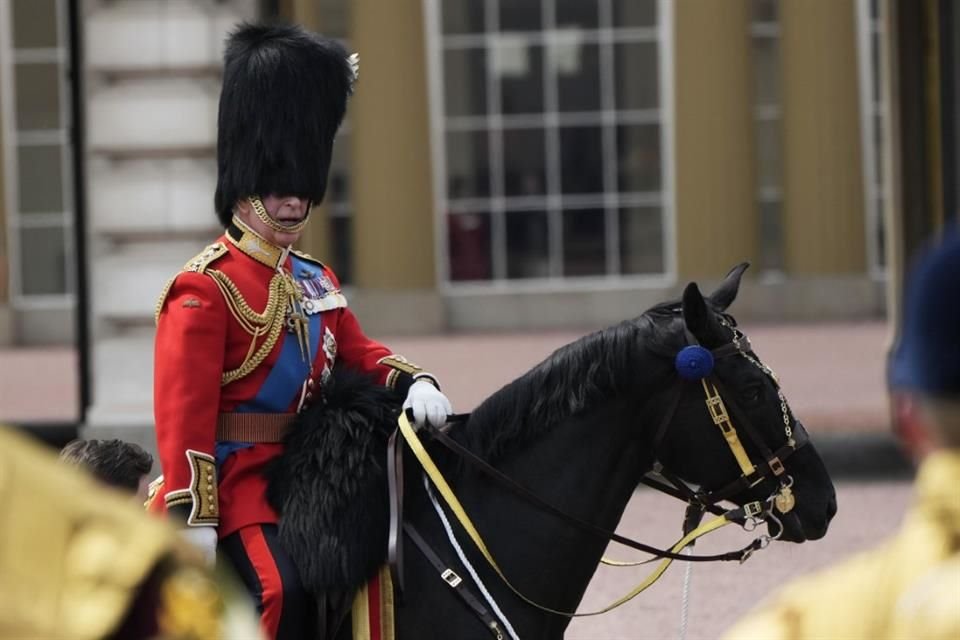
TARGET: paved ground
(720,593)
(832,374)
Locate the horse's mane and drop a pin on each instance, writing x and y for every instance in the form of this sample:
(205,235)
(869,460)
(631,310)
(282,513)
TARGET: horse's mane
(570,381)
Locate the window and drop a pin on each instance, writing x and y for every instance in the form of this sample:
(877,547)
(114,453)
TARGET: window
(37,123)
(765,46)
(550,138)
(873,115)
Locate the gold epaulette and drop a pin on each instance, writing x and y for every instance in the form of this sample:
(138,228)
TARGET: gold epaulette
(196,264)
(205,258)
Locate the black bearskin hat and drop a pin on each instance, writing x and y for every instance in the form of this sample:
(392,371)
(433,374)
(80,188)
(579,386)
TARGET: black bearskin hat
(284,95)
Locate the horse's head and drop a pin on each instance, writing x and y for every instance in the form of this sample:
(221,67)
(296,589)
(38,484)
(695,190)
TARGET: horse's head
(774,455)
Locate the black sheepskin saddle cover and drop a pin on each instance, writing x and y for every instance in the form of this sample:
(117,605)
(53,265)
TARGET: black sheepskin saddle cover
(330,484)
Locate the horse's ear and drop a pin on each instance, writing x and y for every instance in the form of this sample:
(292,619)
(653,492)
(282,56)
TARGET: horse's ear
(726,293)
(696,314)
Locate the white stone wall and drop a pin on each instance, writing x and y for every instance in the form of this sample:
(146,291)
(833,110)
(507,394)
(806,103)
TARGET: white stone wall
(152,74)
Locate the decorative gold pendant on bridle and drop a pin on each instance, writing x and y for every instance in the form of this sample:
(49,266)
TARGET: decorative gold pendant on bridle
(784,500)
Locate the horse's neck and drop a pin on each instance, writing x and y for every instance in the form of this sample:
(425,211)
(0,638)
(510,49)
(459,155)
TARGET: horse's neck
(588,467)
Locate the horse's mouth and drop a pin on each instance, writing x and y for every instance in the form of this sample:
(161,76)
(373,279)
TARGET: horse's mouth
(797,528)
(786,527)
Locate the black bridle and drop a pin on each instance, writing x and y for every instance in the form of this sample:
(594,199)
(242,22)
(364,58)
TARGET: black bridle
(772,466)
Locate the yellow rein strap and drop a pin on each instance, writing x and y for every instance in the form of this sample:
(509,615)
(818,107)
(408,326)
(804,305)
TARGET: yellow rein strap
(406,429)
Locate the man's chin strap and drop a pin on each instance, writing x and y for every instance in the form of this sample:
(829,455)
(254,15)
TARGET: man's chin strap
(265,218)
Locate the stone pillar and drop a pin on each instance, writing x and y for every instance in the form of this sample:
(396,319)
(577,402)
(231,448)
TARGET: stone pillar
(391,167)
(716,212)
(823,205)
(152,80)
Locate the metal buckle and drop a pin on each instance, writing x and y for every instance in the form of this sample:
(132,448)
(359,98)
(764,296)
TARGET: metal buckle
(776,466)
(451,578)
(753,509)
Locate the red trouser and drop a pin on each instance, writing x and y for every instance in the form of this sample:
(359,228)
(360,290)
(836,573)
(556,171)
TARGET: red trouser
(287,610)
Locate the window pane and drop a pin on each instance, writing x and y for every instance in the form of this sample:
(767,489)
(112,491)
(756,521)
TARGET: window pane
(462,16)
(38,96)
(641,240)
(469,238)
(468,164)
(638,157)
(771,237)
(878,147)
(635,66)
(584,242)
(881,234)
(528,254)
(520,69)
(341,229)
(34,24)
(581,159)
(634,13)
(334,15)
(577,13)
(519,15)
(769,156)
(766,57)
(875,62)
(43,261)
(577,67)
(524,162)
(465,81)
(338,184)
(41,179)
(764,11)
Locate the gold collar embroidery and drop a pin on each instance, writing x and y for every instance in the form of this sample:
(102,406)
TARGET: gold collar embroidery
(254,245)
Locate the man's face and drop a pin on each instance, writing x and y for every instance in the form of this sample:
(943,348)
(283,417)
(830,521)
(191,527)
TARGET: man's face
(285,210)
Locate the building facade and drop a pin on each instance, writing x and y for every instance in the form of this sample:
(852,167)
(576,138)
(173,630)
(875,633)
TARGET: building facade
(574,162)
(505,164)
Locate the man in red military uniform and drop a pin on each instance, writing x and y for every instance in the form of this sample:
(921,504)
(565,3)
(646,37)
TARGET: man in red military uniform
(249,330)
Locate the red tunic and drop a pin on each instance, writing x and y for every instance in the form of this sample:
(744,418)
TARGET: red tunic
(210,330)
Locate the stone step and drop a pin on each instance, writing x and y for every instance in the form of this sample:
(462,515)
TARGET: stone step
(127,37)
(166,114)
(158,195)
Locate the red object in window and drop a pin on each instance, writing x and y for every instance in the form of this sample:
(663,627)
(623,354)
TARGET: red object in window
(469,246)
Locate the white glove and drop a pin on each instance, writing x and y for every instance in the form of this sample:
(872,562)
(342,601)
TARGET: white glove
(428,404)
(204,539)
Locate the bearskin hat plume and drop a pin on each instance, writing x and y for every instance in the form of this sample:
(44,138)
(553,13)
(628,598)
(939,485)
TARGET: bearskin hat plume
(284,95)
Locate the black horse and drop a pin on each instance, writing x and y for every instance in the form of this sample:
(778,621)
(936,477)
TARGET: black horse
(580,430)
